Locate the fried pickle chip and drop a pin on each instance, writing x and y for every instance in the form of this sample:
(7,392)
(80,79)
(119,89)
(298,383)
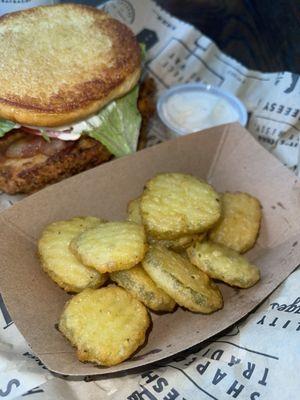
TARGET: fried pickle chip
(133,211)
(220,262)
(105,325)
(111,246)
(141,286)
(175,205)
(60,263)
(179,244)
(239,223)
(185,283)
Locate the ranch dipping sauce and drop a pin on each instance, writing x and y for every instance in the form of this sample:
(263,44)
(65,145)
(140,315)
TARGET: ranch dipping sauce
(192,107)
(194,111)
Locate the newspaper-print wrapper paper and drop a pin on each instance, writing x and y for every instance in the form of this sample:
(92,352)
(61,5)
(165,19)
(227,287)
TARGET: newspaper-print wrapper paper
(20,369)
(254,359)
(178,53)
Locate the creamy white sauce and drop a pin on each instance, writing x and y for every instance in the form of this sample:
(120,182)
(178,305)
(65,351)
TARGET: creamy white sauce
(192,111)
(68,136)
(76,129)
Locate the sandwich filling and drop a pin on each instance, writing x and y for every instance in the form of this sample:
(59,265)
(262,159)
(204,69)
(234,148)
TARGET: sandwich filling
(116,126)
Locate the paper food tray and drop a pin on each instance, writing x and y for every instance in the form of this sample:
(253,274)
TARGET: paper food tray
(229,158)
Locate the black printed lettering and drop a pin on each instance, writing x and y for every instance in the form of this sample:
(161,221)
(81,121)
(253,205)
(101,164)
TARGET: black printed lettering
(249,371)
(189,362)
(286,324)
(293,84)
(143,395)
(280,109)
(6,316)
(282,307)
(172,395)
(234,361)
(254,395)
(150,377)
(266,107)
(33,391)
(216,355)
(291,308)
(134,396)
(261,321)
(160,384)
(219,376)
(263,381)
(236,390)
(10,385)
(288,110)
(273,323)
(201,368)
(33,357)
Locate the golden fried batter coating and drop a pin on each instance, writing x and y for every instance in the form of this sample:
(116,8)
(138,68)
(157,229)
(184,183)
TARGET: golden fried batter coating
(111,246)
(186,284)
(105,325)
(134,212)
(175,205)
(220,262)
(141,286)
(239,223)
(179,244)
(58,261)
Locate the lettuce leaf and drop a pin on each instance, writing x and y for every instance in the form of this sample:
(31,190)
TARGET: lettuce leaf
(6,126)
(116,126)
(143,51)
(119,125)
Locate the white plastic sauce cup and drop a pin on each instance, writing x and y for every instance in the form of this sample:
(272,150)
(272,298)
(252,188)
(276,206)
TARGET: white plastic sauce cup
(192,107)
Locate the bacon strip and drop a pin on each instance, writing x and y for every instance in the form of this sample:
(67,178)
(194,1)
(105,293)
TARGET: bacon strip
(29,145)
(50,133)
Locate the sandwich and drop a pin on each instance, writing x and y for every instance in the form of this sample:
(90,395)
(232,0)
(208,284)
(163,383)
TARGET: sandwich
(69,87)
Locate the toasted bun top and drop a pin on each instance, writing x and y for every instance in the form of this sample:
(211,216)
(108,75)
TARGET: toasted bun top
(61,63)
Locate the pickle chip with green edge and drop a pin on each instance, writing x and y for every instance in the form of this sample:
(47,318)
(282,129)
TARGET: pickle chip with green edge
(185,283)
(224,264)
(140,285)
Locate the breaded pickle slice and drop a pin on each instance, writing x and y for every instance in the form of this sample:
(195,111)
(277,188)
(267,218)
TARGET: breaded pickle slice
(239,223)
(220,262)
(105,325)
(60,263)
(179,244)
(134,212)
(111,246)
(185,283)
(141,286)
(175,205)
